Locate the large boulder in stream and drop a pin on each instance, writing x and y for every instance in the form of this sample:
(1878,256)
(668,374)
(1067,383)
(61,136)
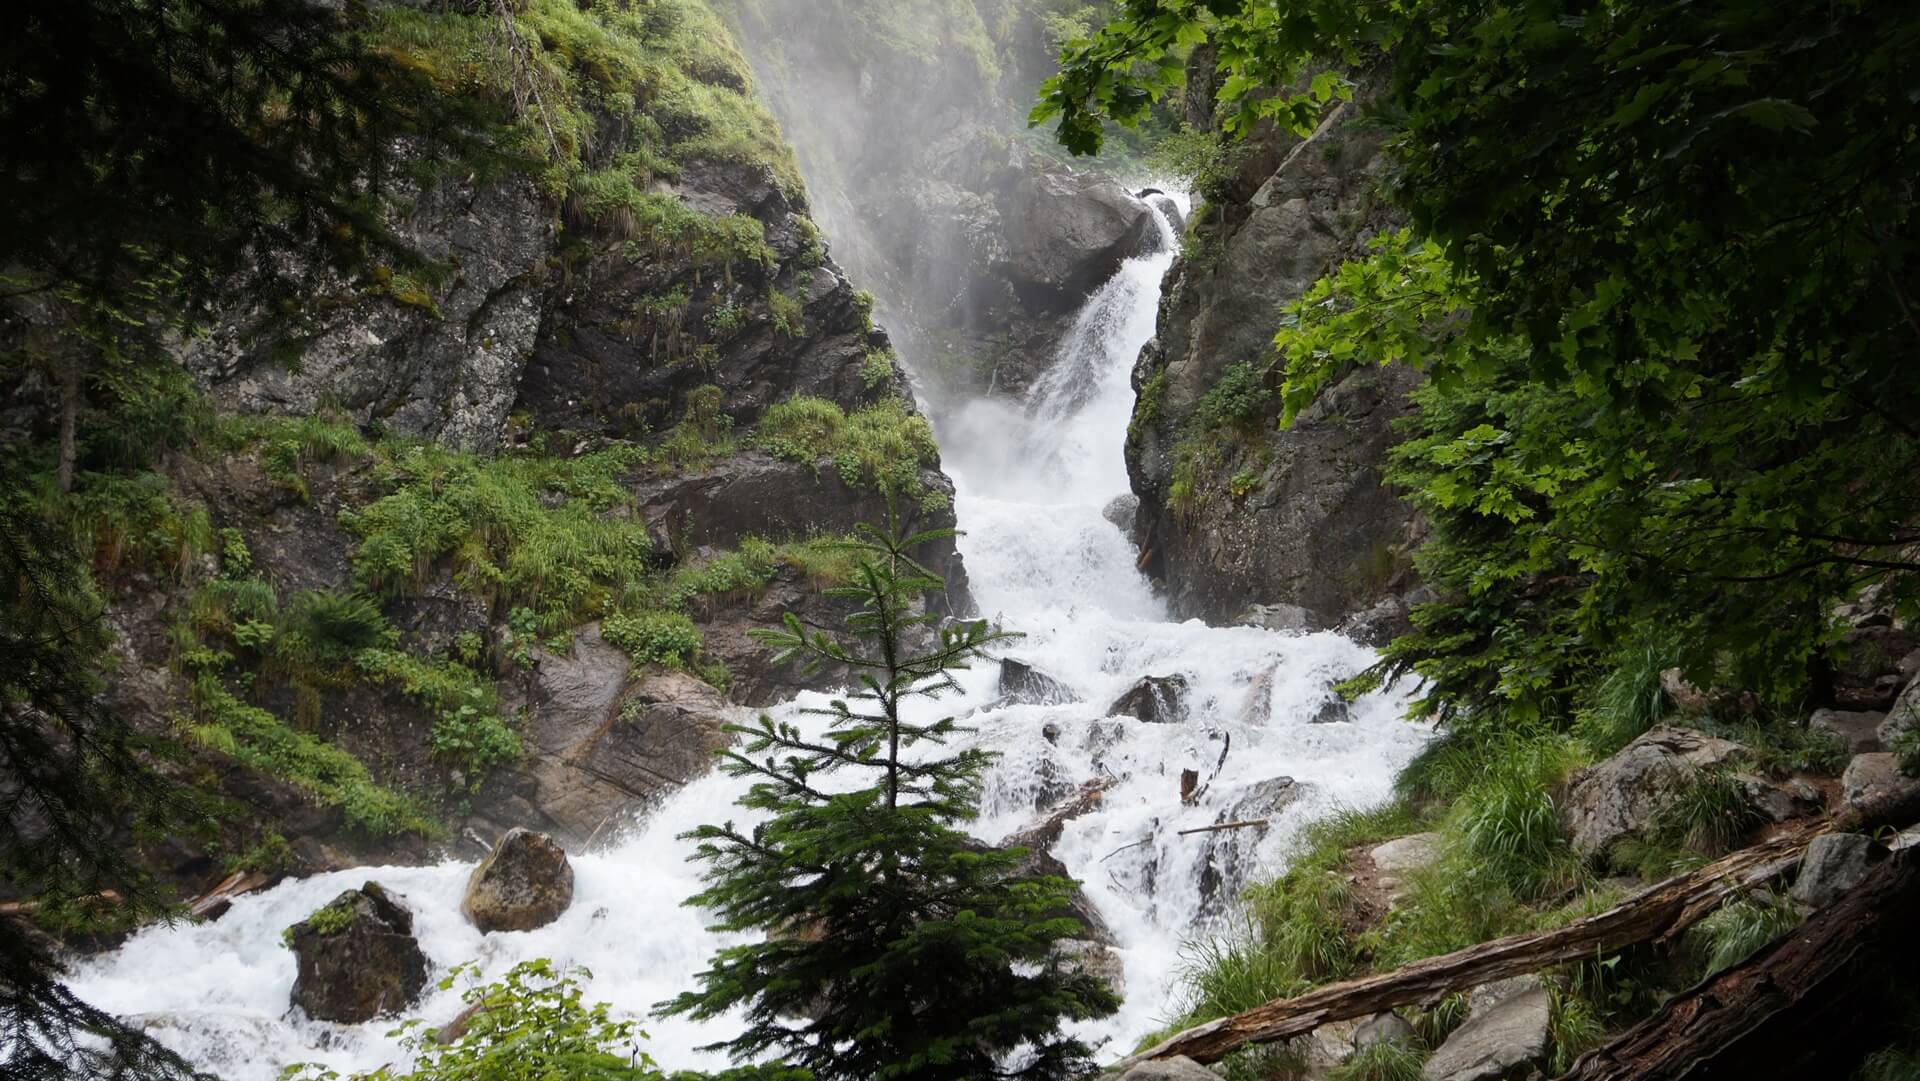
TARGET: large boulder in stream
(1154,699)
(1067,231)
(1022,683)
(357,958)
(526,882)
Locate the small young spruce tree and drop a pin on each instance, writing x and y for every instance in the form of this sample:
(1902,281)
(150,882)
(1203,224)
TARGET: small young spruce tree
(896,947)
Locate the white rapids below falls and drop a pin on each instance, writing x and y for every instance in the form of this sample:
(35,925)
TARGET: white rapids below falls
(1032,481)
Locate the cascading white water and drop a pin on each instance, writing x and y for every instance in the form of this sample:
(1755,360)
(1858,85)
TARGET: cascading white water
(1032,483)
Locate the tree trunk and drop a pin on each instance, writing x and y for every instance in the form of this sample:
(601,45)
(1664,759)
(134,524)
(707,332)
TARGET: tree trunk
(1812,1004)
(69,426)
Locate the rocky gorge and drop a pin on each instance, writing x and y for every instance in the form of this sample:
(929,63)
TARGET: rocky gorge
(438,588)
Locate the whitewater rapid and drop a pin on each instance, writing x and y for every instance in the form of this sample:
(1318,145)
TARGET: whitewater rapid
(1032,479)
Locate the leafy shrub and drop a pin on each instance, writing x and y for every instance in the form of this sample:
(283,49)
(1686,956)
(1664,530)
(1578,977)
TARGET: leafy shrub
(530,1026)
(337,624)
(667,638)
(1207,160)
(1240,396)
(876,368)
(530,531)
(257,738)
(788,313)
(469,732)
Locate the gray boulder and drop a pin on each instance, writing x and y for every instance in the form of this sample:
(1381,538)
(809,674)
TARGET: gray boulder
(1870,778)
(1179,1068)
(526,882)
(1834,864)
(1497,1042)
(1299,516)
(1023,683)
(1384,1027)
(1402,856)
(1278,617)
(1622,796)
(1154,699)
(1067,231)
(1332,710)
(1904,716)
(357,958)
(1858,730)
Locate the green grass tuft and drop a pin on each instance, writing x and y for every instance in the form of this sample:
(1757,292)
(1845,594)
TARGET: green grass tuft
(1740,928)
(1385,1061)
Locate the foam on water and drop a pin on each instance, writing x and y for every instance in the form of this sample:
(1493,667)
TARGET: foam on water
(1031,484)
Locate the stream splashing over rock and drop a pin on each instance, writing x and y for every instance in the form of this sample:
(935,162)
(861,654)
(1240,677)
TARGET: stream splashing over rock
(1032,481)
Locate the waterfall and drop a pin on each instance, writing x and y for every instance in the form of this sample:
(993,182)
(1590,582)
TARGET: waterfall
(1032,482)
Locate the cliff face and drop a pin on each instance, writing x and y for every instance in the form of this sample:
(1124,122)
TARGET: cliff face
(910,121)
(480,548)
(1239,520)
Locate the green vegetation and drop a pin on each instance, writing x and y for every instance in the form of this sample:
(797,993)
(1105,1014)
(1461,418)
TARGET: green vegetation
(667,638)
(883,446)
(332,918)
(932,957)
(254,737)
(512,530)
(1741,927)
(666,74)
(1388,1060)
(876,369)
(788,313)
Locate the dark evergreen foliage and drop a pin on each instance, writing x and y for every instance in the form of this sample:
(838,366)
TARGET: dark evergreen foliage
(154,155)
(896,946)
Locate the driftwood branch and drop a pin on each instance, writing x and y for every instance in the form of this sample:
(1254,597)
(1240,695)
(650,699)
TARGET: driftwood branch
(1248,824)
(1806,1006)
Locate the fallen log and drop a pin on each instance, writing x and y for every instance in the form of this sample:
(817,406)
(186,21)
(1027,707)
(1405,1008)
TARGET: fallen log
(28,908)
(1656,913)
(1042,834)
(214,903)
(1808,1005)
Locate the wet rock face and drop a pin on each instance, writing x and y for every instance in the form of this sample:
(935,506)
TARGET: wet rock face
(357,958)
(441,362)
(1316,530)
(525,883)
(603,742)
(1023,683)
(1154,699)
